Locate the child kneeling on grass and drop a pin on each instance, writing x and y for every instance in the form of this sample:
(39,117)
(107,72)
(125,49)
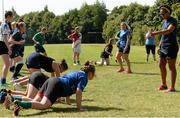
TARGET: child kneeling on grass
(106,53)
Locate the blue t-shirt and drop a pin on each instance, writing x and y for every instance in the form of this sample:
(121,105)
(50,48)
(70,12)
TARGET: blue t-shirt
(72,81)
(169,39)
(123,37)
(150,41)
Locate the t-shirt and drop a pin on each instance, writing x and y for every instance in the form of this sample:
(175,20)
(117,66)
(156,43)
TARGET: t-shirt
(169,39)
(76,36)
(39,37)
(72,81)
(150,40)
(123,37)
(17,36)
(4,31)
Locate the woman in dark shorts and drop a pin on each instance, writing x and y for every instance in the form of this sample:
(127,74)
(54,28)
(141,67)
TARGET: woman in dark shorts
(5,31)
(37,61)
(52,89)
(123,43)
(150,45)
(17,48)
(168,47)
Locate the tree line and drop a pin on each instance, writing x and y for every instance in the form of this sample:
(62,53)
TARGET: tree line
(96,23)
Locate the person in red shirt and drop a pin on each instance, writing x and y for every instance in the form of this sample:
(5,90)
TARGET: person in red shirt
(76,37)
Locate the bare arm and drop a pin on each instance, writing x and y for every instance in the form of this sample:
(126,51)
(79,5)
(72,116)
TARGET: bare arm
(56,69)
(78,98)
(164,31)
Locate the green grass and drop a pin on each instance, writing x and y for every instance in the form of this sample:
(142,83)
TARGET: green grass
(111,93)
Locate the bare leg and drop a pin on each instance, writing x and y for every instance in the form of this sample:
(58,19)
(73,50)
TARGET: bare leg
(126,57)
(162,66)
(5,68)
(107,62)
(32,91)
(118,57)
(173,73)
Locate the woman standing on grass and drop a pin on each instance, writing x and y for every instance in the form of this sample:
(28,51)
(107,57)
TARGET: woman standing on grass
(76,37)
(64,86)
(150,45)
(168,47)
(124,39)
(5,51)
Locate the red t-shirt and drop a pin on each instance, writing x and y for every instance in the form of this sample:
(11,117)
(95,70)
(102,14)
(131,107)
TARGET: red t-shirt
(74,37)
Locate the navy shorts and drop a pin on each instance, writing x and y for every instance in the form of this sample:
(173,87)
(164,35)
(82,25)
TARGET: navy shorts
(17,50)
(3,48)
(170,53)
(121,49)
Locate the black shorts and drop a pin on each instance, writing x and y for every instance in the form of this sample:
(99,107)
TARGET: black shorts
(17,50)
(171,53)
(104,55)
(37,79)
(34,65)
(39,48)
(3,48)
(121,49)
(151,48)
(52,89)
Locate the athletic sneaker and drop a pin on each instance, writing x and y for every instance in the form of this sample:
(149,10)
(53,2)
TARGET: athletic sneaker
(74,64)
(7,102)
(17,108)
(170,90)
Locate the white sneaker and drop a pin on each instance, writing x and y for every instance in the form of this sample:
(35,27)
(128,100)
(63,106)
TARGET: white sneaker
(74,64)
(17,87)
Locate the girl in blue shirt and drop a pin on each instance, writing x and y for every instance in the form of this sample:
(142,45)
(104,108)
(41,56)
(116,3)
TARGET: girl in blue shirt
(64,86)
(168,47)
(123,47)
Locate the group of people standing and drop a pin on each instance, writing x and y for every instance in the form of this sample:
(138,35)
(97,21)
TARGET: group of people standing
(43,91)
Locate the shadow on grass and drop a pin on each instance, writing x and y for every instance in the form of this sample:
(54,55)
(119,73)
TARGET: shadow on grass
(73,110)
(139,73)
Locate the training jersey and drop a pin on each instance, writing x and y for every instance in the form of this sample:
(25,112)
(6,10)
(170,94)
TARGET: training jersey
(123,37)
(40,61)
(169,39)
(4,31)
(72,81)
(39,37)
(150,40)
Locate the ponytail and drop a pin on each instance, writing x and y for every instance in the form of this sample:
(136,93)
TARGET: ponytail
(88,67)
(63,64)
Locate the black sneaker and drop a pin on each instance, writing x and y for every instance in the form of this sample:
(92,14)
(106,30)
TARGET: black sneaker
(17,108)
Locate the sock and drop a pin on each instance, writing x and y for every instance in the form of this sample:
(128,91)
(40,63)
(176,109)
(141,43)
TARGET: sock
(78,62)
(16,98)
(12,68)
(3,80)
(18,68)
(25,104)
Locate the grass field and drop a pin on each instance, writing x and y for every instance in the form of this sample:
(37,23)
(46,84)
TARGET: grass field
(111,93)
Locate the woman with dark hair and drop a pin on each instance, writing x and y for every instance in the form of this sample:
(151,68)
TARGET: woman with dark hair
(52,89)
(37,61)
(5,51)
(168,47)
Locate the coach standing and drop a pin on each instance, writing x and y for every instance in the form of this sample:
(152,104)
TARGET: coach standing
(168,47)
